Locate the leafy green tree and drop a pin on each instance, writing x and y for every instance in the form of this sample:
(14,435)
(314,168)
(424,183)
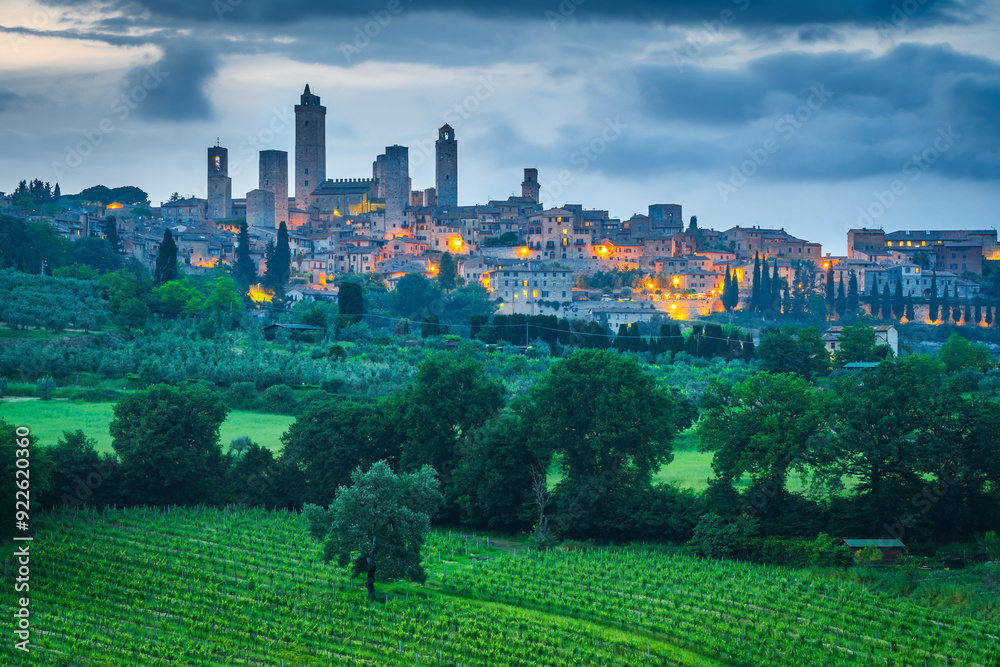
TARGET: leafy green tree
(414,297)
(223,297)
(167,440)
(166,260)
(331,438)
(178,297)
(45,387)
(378,524)
(763,426)
(857,344)
(874,414)
(78,472)
(244,270)
(611,425)
(451,398)
(958,353)
(493,479)
(447,272)
(132,314)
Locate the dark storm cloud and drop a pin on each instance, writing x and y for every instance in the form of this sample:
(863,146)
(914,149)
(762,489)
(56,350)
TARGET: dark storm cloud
(872,114)
(778,12)
(172,88)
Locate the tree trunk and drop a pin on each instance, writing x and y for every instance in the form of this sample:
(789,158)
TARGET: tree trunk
(370,583)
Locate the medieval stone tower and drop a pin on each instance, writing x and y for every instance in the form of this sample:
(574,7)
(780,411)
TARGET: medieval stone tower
(447,167)
(392,173)
(310,148)
(220,186)
(529,188)
(273,176)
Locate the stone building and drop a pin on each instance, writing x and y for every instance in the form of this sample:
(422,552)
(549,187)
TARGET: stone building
(191,209)
(260,209)
(273,177)
(310,148)
(530,187)
(520,286)
(446,167)
(220,185)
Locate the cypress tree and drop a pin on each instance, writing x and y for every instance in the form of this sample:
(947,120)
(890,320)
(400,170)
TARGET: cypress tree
(852,294)
(898,302)
(829,285)
(979,310)
(873,297)
(282,256)
(57,193)
(776,288)
(110,230)
(909,308)
(766,304)
(244,270)
(786,304)
(988,315)
(755,288)
(886,302)
(945,307)
(351,301)
(736,290)
(957,312)
(727,289)
(932,307)
(967,314)
(166,260)
(841,302)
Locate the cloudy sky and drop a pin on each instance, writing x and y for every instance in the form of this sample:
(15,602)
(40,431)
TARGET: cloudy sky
(815,117)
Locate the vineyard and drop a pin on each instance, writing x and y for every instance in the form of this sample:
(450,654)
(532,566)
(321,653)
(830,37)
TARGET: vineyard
(148,587)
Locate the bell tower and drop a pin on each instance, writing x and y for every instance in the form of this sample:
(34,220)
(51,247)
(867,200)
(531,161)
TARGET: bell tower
(310,148)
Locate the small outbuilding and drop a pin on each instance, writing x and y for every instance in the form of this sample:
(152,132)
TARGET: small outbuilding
(892,550)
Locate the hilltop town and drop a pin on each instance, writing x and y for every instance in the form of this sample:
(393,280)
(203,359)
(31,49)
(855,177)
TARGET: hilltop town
(532,258)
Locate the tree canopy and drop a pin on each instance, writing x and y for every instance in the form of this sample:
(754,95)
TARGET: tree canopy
(379,523)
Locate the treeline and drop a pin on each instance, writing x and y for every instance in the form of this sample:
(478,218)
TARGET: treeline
(898,451)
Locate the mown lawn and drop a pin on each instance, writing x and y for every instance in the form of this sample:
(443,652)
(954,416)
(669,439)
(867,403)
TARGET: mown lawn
(48,419)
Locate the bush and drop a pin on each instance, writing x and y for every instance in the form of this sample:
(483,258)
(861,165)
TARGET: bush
(241,395)
(45,387)
(279,397)
(714,538)
(3,387)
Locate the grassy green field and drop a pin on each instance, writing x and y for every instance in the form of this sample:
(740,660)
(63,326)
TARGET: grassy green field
(152,587)
(48,419)
(689,469)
